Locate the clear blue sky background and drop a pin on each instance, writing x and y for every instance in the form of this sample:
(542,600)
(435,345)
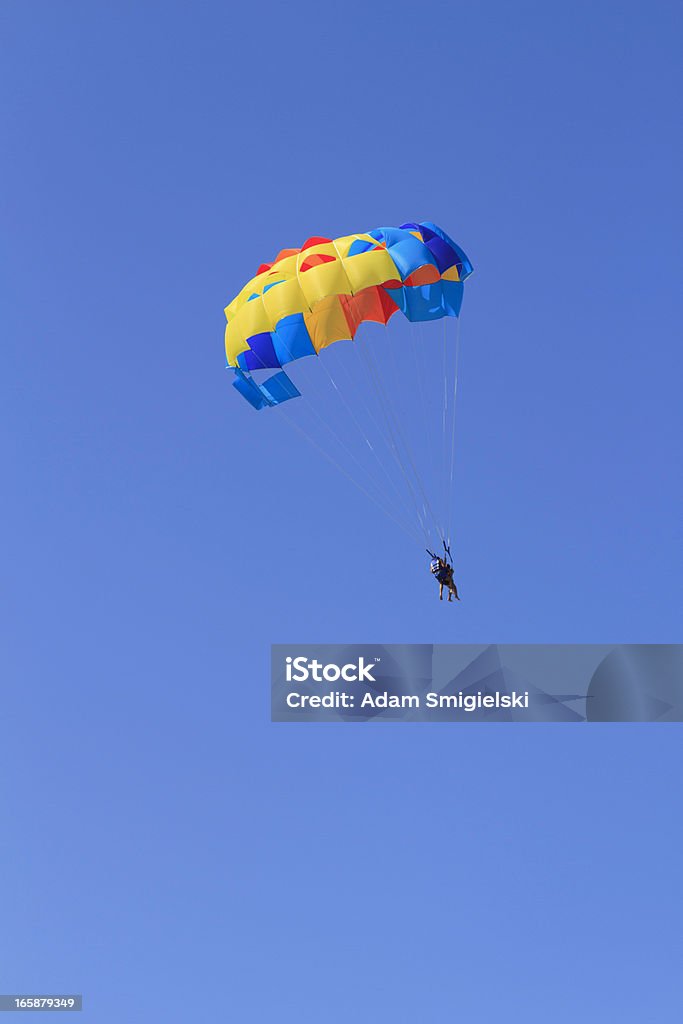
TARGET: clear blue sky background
(162,843)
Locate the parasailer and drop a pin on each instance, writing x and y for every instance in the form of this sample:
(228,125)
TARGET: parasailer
(442,569)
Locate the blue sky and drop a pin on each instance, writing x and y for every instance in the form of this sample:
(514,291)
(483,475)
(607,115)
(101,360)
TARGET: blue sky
(163,842)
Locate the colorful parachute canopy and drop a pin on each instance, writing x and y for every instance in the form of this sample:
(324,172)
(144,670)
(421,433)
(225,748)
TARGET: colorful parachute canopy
(308,298)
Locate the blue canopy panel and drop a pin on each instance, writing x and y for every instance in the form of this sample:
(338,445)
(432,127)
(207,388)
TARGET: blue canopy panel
(291,339)
(270,350)
(428,301)
(433,236)
(274,391)
(279,388)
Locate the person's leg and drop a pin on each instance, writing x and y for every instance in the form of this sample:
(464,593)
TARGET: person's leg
(440,591)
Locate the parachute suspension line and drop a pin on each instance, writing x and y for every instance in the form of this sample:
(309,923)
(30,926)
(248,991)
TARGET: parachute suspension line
(378,427)
(418,479)
(354,459)
(410,530)
(382,403)
(361,431)
(419,393)
(444,422)
(420,353)
(449,528)
(426,504)
(386,442)
(395,414)
(389,439)
(341,443)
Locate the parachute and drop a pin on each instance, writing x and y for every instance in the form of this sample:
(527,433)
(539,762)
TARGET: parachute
(307,299)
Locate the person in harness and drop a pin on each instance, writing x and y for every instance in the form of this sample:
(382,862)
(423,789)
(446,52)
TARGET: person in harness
(442,569)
